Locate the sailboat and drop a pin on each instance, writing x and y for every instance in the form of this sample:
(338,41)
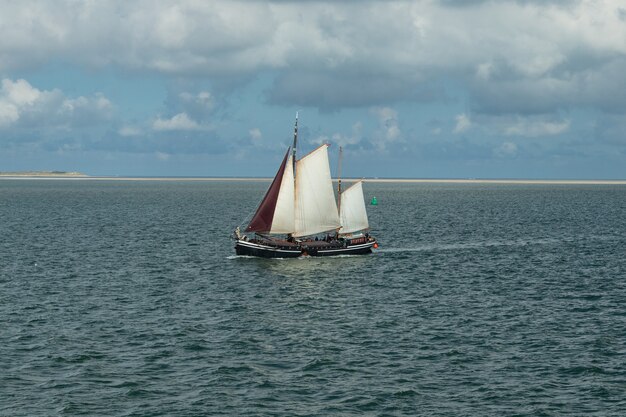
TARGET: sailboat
(299,215)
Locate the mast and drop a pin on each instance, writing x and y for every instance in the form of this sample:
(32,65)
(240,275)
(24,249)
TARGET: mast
(339,179)
(295,143)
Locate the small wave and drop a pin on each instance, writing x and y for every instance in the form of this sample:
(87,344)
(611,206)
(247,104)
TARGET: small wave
(195,347)
(405,393)
(317,364)
(583,370)
(234,369)
(137,392)
(125,384)
(231,257)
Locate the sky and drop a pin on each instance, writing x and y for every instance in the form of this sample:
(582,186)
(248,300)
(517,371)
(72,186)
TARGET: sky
(409,89)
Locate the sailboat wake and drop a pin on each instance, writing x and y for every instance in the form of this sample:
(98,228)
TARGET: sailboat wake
(471,245)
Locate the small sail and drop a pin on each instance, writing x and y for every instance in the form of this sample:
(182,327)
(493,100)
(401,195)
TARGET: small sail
(275,207)
(353,214)
(316,208)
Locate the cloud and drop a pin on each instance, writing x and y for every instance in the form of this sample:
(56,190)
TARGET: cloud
(347,140)
(203,99)
(535,128)
(9,113)
(350,87)
(536,56)
(506,149)
(24,106)
(129,131)
(463,123)
(342,139)
(162,156)
(389,130)
(198,106)
(255,134)
(160,143)
(564,88)
(178,122)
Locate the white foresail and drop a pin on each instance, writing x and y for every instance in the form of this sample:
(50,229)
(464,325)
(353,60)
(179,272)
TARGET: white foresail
(315,205)
(353,214)
(283,221)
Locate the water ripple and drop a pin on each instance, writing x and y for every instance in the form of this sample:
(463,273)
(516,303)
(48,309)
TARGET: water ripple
(127,299)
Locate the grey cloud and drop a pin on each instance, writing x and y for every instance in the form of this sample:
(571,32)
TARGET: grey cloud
(469,3)
(545,55)
(462,3)
(580,86)
(329,91)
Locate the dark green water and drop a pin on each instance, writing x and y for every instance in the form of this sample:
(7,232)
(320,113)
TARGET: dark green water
(125,299)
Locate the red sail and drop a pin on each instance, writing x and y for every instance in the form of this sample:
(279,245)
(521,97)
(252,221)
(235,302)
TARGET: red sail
(262,220)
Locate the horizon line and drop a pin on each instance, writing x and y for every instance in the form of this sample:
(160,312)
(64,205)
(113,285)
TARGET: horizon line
(73,176)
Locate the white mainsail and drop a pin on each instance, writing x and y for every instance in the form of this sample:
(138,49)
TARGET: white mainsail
(315,205)
(353,214)
(284,220)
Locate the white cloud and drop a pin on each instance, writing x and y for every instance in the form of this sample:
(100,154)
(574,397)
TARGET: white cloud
(178,122)
(22,105)
(320,140)
(506,149)
(535,128)
(388,120)
(197,105)
(341,139)
(255,134)
(484,70)
(463,123)
(129,131)
(19,92)
(98,103)
(352,139)
(162,156)
(202,99)
(9,113)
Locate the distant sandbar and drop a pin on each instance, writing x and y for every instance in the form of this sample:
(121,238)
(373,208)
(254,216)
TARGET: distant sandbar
(79,176)
(38,174)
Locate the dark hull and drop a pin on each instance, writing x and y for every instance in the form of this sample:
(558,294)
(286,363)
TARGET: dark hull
(252,248)
(361,249)
(265,251)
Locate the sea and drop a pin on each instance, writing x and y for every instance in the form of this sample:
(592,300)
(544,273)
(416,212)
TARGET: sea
(125,298)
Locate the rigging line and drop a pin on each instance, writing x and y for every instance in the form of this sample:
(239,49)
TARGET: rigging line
(339,181)
(295,144)
(248,217)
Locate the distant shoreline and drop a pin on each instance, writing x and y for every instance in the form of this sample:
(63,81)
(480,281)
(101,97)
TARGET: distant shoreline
(83,177)
(39,174)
